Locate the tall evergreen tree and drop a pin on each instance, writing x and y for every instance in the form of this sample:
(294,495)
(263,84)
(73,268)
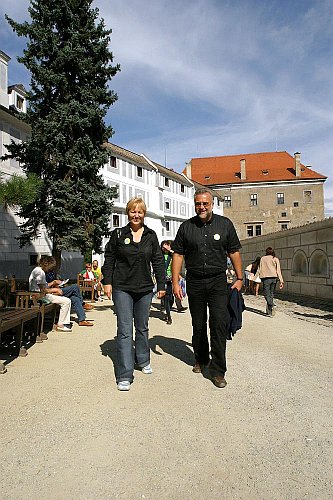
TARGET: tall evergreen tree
(68,56)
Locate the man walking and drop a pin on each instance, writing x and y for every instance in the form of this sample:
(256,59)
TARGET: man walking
(205,241)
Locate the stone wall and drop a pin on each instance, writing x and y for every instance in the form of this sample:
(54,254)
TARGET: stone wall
(306,257)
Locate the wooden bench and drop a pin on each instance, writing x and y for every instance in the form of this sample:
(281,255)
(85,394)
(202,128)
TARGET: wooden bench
(26,300)
(86,286)
(12,318)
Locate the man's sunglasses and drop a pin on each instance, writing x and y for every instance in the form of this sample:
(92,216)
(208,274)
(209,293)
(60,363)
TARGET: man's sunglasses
(203,203)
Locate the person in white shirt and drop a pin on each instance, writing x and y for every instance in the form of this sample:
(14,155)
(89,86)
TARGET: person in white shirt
(37,283)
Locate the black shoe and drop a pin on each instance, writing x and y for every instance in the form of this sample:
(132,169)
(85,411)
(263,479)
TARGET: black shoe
(169,321)
(182,309)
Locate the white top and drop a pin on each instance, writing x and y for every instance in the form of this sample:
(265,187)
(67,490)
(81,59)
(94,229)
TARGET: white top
(36,278)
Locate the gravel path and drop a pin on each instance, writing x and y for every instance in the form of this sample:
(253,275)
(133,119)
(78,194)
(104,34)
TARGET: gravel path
(67,433)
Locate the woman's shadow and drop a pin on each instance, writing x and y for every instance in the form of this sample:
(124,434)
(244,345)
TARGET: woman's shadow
(174,347)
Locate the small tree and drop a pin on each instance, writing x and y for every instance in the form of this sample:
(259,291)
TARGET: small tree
(70,63)
(19,191)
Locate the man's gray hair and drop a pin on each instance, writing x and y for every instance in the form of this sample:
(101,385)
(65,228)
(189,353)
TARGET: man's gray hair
(203,190)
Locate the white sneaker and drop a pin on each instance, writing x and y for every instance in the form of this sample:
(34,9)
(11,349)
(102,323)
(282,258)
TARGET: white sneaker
(63,329)
(147,370)
(124,385)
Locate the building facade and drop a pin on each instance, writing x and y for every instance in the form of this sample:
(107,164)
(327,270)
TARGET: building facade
(263,192)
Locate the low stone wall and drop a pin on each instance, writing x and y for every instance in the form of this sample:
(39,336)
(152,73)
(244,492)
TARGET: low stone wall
(306,257)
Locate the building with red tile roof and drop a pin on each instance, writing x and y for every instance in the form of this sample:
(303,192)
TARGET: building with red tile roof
(262,192)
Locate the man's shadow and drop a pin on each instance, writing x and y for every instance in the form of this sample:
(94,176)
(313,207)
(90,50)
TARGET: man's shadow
(174,347)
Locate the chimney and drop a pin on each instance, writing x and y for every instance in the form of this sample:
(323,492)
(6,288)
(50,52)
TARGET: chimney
(243,170)
(188,169)
(298,171)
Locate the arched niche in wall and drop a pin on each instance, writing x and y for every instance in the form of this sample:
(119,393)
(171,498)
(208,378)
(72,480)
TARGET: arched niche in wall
(300,264)
(319,265)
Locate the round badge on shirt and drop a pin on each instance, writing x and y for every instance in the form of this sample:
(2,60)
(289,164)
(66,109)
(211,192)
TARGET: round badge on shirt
(127,241)
(217,236)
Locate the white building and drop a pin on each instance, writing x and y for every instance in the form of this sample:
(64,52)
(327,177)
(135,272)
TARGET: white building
(168,194)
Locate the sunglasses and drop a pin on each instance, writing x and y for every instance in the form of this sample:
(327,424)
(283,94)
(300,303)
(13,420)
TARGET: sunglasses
(203,203)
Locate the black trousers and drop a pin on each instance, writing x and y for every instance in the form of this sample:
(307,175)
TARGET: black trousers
(209,293)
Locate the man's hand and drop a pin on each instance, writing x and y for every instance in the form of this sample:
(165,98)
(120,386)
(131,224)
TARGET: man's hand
(160,294)
(177,291)
(281,285)
(108,291)
(238,284)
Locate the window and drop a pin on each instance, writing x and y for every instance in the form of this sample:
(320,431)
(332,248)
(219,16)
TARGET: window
(19,102)
(280,198)
(139,172)
(167,226)
(284,227)
(167,205)
(295,203)
(258,230)
(227,201)
(283,214)
(115,220)
(182,188)
(249,231)
(253,200)
(166,182)
(113,161)
(307,196)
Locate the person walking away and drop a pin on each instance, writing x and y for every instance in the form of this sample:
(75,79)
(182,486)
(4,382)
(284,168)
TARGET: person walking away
(37,283)
(205,241)
(270,272)
(129,256)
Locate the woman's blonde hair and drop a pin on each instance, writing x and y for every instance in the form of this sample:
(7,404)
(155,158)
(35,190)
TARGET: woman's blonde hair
(136,202)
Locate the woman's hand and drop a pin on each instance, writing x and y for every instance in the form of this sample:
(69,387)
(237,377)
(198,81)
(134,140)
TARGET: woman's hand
(281,285)
(108,291)
(160,294)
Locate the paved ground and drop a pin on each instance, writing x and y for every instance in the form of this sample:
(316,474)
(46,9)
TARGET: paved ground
(67,433)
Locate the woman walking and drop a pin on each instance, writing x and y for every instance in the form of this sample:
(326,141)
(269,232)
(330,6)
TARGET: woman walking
(129,256)
(270,272)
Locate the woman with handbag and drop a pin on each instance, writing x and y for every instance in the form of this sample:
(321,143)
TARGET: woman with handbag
(129,256)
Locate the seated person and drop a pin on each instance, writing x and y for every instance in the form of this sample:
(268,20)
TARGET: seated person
(72,292)
(37,283)
(90,275)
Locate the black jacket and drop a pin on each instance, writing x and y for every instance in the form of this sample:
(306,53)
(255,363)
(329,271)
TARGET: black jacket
(236,307)
(128,265)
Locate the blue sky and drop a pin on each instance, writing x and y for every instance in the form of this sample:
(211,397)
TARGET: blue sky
(215,77)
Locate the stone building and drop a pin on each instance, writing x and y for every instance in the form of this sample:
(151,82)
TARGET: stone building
(263,192)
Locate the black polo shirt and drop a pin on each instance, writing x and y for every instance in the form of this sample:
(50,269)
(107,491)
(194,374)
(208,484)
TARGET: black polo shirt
(128,265)
(205,245)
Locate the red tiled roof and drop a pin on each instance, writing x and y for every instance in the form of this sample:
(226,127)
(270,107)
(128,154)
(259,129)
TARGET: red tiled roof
(260,167)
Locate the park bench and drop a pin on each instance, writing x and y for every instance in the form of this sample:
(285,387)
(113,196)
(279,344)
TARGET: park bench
(12,318)
(86,287)
(26,300)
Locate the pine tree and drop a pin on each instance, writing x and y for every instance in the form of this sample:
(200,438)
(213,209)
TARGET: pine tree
(68,56)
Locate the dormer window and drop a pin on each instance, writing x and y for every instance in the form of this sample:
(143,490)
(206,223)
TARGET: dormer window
(19,102)
(264,172)
(207,177)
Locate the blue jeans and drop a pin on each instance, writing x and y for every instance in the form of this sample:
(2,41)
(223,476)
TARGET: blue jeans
(74,294)
(129,306)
